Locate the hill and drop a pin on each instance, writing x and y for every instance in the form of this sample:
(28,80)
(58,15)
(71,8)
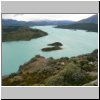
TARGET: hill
(10,22)
(16,33)
(92,19)
(89,24)
(40,71)
(81,26)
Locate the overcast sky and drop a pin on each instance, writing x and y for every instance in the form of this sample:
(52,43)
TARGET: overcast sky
(33,17)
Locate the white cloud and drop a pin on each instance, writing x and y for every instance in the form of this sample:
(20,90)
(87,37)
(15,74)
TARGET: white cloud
(32,17)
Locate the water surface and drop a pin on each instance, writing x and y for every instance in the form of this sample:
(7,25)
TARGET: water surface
(74,43)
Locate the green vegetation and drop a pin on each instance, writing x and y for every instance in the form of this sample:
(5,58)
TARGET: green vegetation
(40,71)
(16,33)
(82,26)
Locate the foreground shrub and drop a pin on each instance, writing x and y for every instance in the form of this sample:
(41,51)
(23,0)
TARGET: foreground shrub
(70,75)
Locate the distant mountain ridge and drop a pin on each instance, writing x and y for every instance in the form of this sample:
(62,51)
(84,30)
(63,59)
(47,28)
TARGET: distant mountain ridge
(89,24)
(10,22)
(92,19)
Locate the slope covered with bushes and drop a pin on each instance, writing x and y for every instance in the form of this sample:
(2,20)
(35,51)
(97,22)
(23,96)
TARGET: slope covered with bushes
(41,71)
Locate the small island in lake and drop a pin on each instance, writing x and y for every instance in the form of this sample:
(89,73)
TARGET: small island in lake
(16,33)
(55,46)
(51,48)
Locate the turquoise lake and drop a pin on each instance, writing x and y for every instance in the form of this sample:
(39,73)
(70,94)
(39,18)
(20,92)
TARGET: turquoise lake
(75,42)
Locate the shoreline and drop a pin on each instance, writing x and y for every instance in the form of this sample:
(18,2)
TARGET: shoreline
(36,63)
(53,58)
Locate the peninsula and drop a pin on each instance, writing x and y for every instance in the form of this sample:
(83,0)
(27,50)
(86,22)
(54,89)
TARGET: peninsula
(16,33)
(90,27)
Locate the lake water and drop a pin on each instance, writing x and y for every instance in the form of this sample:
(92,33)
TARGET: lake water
(74,43)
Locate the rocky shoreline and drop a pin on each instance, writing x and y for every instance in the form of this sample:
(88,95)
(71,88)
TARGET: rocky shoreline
(40,71)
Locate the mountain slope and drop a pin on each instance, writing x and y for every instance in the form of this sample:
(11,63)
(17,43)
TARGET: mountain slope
(89,24)
(41,71)
(92,19)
